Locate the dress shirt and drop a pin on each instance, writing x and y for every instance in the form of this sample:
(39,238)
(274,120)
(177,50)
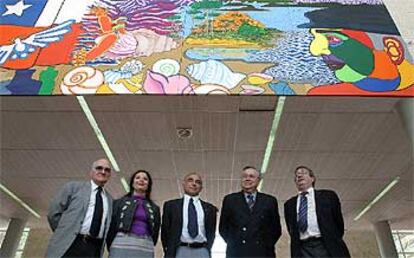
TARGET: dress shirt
(313,228)
(87,221)
(185,236)
(247,199)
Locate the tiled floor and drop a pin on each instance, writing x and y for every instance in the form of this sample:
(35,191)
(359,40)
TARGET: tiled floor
(402,12)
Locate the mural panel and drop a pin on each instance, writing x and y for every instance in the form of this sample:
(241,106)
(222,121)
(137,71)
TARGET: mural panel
(235,47)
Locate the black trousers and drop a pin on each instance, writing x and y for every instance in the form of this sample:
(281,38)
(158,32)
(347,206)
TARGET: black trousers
(85,247)
(313,247)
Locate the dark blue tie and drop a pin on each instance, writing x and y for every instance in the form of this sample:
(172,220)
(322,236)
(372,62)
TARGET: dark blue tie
(303,212)
(97,214)
(192,225)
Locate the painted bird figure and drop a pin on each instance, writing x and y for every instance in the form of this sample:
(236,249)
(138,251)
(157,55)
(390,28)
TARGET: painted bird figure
(22,48)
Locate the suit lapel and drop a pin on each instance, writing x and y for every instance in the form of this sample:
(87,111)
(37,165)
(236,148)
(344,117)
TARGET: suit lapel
(243,202)
(317,206)
(294,215)
(205,210)
(179,210)
(86,194)
(257,203)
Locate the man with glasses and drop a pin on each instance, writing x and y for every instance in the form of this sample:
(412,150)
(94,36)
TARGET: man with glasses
(249,221)
(80,214)
(314,219)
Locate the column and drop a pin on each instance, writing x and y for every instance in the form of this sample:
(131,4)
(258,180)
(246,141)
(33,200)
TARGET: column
(405,108)
(385,240)
(12,237)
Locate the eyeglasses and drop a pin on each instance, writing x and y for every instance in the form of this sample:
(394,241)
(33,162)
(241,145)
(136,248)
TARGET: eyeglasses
(101,168)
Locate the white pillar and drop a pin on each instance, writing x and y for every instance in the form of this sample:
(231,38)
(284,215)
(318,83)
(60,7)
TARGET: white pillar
(405,109)
(12,237)
(385,240)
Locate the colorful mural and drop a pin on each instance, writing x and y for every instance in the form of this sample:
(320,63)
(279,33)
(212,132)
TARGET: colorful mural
(235,47)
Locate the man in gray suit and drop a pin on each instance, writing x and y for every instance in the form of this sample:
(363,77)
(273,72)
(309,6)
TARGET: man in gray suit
(80,215)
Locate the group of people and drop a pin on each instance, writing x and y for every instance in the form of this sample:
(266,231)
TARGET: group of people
(83,218)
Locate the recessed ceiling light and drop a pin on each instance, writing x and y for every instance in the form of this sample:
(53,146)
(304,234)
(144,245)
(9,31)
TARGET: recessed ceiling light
(272,136)
(19,201)
(101,138)
(384,191)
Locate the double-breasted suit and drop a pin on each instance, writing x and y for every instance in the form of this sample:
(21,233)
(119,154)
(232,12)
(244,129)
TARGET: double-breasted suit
(66,214)
(250,233)
(330,222)
(172,223)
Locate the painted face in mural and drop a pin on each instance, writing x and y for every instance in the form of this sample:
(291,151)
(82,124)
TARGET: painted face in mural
(350,59)
(354,59)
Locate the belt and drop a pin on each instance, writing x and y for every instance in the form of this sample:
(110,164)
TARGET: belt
(311,239)
(194,245)
(89,238)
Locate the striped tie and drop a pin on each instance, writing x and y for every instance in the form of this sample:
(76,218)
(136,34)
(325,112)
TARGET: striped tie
(250,201)
(303,212)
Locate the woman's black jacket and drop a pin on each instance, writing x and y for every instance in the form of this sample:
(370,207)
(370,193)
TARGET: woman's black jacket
(123,214)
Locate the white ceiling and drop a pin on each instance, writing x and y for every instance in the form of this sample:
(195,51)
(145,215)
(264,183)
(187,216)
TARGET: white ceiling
(355,146)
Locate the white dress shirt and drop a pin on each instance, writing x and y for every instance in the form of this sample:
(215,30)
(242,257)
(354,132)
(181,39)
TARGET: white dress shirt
(313,227)
(87,221)
(247,199)
(185,236)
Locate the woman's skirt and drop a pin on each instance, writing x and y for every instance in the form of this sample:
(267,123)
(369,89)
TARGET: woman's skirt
(130,245)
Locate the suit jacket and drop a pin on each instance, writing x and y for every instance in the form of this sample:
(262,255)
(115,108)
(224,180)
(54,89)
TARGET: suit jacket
(66,213)
(172,224)
(250,233)
(330,221)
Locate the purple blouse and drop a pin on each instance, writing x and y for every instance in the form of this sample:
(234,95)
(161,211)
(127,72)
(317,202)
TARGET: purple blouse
(140,226)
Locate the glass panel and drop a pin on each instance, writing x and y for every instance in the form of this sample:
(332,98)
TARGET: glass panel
(22,243)
(2,235)
(18,254)
(404,243)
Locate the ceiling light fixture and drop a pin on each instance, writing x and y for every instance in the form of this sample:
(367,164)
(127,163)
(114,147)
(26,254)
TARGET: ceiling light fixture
(377,198)
(272,135)
(125,184)
(85,108)
(19,201)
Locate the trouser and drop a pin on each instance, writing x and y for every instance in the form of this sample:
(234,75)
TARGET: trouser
(84,246)
(313,247)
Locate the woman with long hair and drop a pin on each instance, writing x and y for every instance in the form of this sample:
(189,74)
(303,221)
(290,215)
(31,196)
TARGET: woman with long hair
(135,220)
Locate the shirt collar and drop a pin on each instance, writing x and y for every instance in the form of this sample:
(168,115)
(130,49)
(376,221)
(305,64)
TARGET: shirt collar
(94,186)
(254,194)
(188,197)
(310,191)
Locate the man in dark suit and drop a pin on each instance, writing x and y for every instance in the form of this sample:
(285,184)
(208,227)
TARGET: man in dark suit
(80,215)
(249,221)
(314,219)
(188,224)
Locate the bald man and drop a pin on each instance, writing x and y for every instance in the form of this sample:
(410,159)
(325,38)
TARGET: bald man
(80,215)
(189,223)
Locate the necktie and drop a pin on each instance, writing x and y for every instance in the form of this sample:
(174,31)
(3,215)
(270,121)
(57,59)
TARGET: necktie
(250,201)
(303,212)
(97,214)
(192,225)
